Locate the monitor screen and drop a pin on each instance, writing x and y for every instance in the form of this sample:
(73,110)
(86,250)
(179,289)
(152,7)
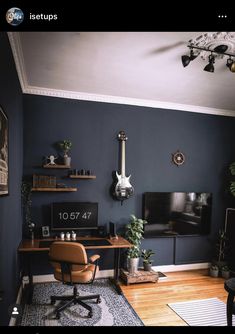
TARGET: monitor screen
(74,216)
(177,213)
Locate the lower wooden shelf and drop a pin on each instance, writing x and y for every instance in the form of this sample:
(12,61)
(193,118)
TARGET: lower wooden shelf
(139,276)
(82,176)
(55,189)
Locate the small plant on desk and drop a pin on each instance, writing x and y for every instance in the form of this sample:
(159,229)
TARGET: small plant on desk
(146,256)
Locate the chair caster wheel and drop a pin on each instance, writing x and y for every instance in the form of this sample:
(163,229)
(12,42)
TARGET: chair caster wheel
(90,314)
(98,301)
(52,301)
(57,316)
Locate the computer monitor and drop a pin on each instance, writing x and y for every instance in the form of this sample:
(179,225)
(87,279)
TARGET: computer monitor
(74,216)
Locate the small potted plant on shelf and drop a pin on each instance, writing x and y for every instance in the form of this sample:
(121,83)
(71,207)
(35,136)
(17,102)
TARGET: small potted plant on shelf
(65,146)
(146,256)
(134,234)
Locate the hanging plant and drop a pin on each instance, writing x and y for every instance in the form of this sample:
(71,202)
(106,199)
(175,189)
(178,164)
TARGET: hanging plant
(26,195)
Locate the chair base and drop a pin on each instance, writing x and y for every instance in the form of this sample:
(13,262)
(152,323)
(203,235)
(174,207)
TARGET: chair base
(74,299)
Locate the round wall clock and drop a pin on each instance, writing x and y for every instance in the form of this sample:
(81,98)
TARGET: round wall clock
(178,158)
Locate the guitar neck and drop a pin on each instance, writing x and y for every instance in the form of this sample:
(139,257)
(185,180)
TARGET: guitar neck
(123,162)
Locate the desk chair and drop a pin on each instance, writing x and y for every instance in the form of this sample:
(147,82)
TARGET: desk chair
(69,260)
(229,286)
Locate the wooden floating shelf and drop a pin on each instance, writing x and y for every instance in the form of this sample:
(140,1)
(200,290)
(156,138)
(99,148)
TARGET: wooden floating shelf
(82,176)
(57,166)
(54,189)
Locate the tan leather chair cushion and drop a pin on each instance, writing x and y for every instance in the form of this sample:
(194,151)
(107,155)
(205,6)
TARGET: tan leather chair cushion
(83,276)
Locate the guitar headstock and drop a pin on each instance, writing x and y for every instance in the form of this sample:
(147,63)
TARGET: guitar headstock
(122,136)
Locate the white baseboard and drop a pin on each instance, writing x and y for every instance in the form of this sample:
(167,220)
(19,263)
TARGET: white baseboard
(110,272)
(182,267)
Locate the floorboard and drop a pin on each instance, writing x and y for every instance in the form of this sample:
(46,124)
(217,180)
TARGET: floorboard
(149,300)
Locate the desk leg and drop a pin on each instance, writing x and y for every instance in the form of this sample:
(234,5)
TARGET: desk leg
(116,263)
(28,290)
(116,270)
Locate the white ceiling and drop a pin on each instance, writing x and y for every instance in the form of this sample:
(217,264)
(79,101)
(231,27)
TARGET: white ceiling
(141,68)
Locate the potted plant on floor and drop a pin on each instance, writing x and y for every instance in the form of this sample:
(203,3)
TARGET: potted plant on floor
(214,270)
(146,256)
(225,272)
(134,234)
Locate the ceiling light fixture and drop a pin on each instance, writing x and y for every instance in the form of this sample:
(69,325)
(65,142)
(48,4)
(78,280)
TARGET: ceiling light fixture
(219,45)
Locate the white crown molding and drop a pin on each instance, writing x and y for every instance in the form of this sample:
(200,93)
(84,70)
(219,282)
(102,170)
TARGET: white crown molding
(126,100)
(14,38)
(15,42)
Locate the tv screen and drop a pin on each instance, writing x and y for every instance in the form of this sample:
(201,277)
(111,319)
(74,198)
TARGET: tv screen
(177,213)
(74,216)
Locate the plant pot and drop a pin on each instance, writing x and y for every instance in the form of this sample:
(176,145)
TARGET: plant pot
(67,161)
(132,264)
(147,266)
(214,272)
(225,274)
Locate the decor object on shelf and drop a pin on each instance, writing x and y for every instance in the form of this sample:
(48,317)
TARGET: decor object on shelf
(44,181)
(4,168)
(146,256)
(178,158)
(51,160)
(65,146)
(134,234)
(123,189)
(217,45)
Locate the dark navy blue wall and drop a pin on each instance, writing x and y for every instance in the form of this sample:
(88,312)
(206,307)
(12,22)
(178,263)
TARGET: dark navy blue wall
(10,206)
(153,135)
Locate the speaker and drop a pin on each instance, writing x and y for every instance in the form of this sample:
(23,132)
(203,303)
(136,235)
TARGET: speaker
(230,235)
(101,232)
(45,231)
(112,230)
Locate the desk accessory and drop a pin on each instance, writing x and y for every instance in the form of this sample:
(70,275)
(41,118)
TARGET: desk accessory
(45,231)
(112,231)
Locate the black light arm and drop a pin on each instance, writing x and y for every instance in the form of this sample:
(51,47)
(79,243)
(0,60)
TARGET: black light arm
(208,50)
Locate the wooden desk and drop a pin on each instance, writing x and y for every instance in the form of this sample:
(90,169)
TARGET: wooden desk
(28,248)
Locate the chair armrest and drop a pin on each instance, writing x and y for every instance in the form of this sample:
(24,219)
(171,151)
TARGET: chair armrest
(94,258)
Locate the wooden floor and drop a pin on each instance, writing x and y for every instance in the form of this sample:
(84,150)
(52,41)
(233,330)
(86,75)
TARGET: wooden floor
(149,300)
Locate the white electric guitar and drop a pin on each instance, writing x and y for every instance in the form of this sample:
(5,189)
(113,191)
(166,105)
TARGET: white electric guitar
(123,189)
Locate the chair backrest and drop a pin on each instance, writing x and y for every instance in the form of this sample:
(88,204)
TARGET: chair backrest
(68,252)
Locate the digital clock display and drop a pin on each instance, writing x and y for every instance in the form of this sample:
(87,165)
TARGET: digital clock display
(74,215)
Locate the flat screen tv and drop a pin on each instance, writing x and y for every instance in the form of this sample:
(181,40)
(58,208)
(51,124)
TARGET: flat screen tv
(177,213)
(74,216)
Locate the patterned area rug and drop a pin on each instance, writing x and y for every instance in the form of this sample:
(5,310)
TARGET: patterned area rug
(114,310)
(203,312)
